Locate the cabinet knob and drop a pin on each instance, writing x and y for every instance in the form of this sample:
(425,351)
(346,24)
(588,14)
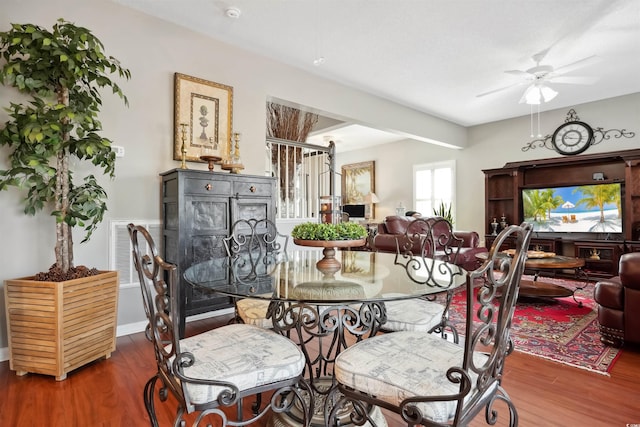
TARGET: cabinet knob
(252,189)
(208,187)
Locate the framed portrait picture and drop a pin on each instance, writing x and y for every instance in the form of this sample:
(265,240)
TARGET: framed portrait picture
(358,181)
(203,117)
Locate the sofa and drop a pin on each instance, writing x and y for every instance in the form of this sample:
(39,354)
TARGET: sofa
(392,233)
(618,301)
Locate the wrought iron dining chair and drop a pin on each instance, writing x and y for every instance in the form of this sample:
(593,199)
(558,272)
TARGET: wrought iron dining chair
(212,371)
(260,242)
(440,383)
(424,239)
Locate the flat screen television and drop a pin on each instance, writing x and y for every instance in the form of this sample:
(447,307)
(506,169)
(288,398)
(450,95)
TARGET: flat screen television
(594,208)
(354,211)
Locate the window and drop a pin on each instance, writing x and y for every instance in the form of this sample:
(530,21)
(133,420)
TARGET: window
(434,183)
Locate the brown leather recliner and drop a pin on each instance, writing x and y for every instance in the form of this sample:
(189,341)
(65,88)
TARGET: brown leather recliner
(618,302)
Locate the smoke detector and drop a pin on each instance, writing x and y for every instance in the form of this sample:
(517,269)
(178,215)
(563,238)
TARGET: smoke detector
(232,12)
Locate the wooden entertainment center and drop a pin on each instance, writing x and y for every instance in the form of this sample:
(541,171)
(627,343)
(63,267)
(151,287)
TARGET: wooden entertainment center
(601,251)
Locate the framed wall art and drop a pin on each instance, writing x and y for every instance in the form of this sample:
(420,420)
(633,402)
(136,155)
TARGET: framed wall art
(205,111)
(358,180)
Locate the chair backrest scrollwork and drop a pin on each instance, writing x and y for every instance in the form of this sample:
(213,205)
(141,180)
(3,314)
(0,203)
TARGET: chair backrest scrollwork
(255,235)
(254,248)
(422,248)
(157,283)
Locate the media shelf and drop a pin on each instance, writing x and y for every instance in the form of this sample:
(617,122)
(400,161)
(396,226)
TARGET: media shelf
(503,188)
(601,258)
(536,244)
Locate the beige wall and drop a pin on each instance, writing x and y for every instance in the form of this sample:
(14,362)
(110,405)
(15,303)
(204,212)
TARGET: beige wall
(154,50)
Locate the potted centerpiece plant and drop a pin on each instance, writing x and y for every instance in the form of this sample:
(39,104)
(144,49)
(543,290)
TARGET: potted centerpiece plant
(329,232)
(59,72)
(329,236)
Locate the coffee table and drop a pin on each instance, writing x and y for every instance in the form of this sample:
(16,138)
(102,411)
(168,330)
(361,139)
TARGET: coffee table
(540,289)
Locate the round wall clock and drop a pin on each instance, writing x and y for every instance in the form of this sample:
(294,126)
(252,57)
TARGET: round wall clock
(572,138)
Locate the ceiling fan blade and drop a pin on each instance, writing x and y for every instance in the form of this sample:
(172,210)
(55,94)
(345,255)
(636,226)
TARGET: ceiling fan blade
(519,73)
(539,57)
(577,64)
(500,89)
(573,80)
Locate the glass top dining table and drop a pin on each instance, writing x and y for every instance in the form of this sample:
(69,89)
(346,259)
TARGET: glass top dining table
(324,310)
(293,276)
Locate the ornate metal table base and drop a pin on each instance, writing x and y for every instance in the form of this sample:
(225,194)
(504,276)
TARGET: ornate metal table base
(292,419)
(321,332)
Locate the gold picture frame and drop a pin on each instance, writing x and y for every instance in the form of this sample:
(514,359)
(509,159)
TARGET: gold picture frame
(358,180)
(207,108)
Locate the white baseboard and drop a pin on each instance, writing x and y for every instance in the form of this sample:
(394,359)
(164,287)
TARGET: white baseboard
(134,328)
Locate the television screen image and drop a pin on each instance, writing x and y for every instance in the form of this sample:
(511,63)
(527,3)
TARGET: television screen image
(593,208)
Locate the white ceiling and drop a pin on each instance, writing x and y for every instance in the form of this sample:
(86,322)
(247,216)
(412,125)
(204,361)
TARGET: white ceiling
(433,56)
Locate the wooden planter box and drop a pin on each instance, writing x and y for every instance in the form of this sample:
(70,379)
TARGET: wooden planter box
(56,327)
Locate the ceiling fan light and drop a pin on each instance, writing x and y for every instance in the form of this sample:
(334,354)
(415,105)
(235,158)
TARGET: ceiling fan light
(532,95)
(537,94)
(547,93)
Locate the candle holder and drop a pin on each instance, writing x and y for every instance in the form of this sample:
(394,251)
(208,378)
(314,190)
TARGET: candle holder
(183,148)
(234,162)
(212,160)
(208,154)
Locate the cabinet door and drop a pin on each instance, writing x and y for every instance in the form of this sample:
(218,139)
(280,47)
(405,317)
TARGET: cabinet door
(208,226)
(252,207)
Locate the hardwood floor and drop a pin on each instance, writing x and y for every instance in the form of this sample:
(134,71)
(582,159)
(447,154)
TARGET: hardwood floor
(109,392)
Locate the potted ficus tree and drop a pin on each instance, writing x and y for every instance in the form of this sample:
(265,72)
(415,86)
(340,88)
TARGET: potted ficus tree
(61,72)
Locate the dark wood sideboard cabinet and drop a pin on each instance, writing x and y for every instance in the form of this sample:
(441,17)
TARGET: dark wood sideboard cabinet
(503,188)
(198,210)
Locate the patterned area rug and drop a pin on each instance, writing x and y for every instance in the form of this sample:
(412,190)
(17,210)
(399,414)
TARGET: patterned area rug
(555,328)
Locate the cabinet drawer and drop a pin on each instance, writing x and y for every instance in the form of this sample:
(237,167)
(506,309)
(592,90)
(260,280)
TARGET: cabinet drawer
(206,186)
(252,188)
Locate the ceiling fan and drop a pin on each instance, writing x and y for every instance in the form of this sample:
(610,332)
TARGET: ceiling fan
(539,77)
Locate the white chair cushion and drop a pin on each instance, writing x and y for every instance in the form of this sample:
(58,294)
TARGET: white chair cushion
(399,365)
(254,312)
(412,315)
(245,355)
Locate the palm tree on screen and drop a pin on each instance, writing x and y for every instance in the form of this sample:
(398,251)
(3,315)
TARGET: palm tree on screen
(534,205)
(550,201)
(598,196)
